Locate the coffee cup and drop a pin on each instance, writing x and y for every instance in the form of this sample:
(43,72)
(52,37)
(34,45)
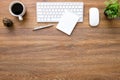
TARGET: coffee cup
(17,9)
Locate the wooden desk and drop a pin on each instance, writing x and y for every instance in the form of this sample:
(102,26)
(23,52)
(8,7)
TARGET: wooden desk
(48,54)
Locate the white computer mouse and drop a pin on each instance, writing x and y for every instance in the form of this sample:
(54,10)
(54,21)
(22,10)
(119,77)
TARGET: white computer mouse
(93,16)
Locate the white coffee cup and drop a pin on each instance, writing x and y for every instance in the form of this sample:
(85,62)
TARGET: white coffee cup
(17,9)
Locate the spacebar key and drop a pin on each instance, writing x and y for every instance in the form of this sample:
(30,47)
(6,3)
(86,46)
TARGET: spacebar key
(55,19)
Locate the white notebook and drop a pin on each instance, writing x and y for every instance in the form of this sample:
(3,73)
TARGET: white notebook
(67,22)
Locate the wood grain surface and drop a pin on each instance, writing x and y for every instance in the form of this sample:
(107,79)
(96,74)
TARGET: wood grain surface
(48,54)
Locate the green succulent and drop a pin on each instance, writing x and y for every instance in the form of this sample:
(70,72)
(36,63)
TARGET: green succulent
(112,9)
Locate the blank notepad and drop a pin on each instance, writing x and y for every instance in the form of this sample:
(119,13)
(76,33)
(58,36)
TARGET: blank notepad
(67,22)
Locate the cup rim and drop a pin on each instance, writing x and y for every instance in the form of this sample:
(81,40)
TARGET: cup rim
(14,2)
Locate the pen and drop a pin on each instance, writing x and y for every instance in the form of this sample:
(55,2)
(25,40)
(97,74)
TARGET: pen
(41,27)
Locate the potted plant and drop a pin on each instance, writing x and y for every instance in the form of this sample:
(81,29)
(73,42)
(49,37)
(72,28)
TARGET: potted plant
(112,9)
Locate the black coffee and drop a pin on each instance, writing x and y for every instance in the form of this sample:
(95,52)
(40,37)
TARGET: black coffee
(17,8)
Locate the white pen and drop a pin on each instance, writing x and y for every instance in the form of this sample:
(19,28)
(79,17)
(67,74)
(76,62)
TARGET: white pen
(41,27)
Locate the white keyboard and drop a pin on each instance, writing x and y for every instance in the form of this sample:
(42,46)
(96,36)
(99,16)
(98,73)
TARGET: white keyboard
(52,11)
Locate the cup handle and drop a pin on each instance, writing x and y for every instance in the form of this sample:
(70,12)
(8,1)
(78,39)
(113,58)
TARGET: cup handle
(20,18)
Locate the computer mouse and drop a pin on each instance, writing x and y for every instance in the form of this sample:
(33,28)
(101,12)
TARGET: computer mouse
(93,16)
